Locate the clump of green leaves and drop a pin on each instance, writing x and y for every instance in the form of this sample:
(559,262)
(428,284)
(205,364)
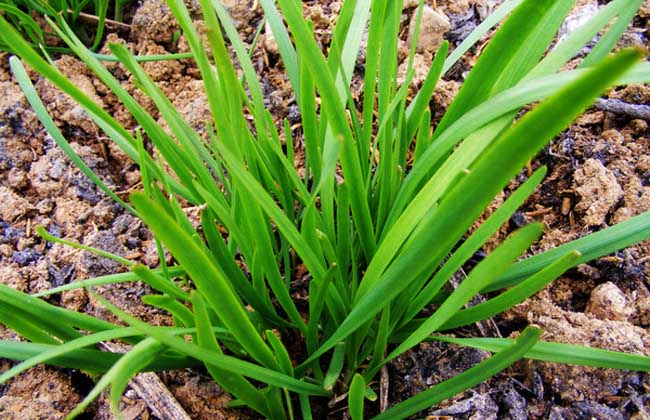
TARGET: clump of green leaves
(379,244)
(22,14)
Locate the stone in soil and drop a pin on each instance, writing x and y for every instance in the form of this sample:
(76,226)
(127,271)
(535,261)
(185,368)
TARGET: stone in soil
(608,302)
(598,190)
(433,26)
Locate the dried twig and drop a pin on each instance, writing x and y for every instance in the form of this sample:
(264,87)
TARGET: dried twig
(88,18)
(383,389)
(620,107)
(153,392)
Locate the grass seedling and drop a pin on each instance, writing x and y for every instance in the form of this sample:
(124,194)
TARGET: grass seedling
(380,243)
(87,17)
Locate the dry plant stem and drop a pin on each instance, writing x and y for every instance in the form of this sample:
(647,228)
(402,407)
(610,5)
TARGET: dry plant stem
(620,107)
(383,390)
(155,394)
(88,18)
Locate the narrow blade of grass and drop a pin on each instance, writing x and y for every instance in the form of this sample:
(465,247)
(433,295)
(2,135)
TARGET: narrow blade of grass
(356,396)
(110,279)
(228,363)
(484,273)
(490,22)
(208,278)
(614,32)
(561,353)
(136,358)
(73,354)
(513,296)
(418,301)
(513,51)
(44,310)
(237,385)
(591,247)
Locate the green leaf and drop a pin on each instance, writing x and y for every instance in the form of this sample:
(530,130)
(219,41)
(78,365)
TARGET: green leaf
(117,278)
(561,353)
(356,396)
(73,354)
(233,383)
(484,273)
(490,22)
(128,366)
(342,133)
(280,352)
(417,301)
(614,32)
(421,101)
(228,363)
(138,357)
(158,283)
(208,278)
(582,35)
(171,305)
(335,367)
(513,51)
(46,313)
(513,296)
(593,246)
(51,238)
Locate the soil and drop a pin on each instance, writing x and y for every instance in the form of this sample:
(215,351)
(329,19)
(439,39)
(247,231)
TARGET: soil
(599,174)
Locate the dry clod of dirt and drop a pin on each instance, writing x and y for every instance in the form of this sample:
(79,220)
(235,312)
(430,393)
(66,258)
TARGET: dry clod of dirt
(585,410)
(201,397)
(52,395)
(13,206)
(645,9)
(433,26)
(270,44)
(576,383)
(598,190)
(455,7)
(607,301)
(159,71)
(479,406)
(410,4)
(636,200)
(421,67)
(21,408)
(154,21)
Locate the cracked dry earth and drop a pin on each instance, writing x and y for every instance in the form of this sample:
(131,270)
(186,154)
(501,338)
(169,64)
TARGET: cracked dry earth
(599,174)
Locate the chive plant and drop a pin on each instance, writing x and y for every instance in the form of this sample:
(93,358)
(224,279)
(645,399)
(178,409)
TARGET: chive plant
(21,13)
(379,243)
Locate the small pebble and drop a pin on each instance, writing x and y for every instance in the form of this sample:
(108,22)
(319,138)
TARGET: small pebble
(433,26)
(45,206)
(639,126)
(607,301)
(17,179)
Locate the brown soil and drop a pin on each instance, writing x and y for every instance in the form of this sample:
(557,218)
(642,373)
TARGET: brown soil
(599,174)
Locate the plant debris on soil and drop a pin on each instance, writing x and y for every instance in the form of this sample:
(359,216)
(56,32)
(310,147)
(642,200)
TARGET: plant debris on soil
(599,175)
